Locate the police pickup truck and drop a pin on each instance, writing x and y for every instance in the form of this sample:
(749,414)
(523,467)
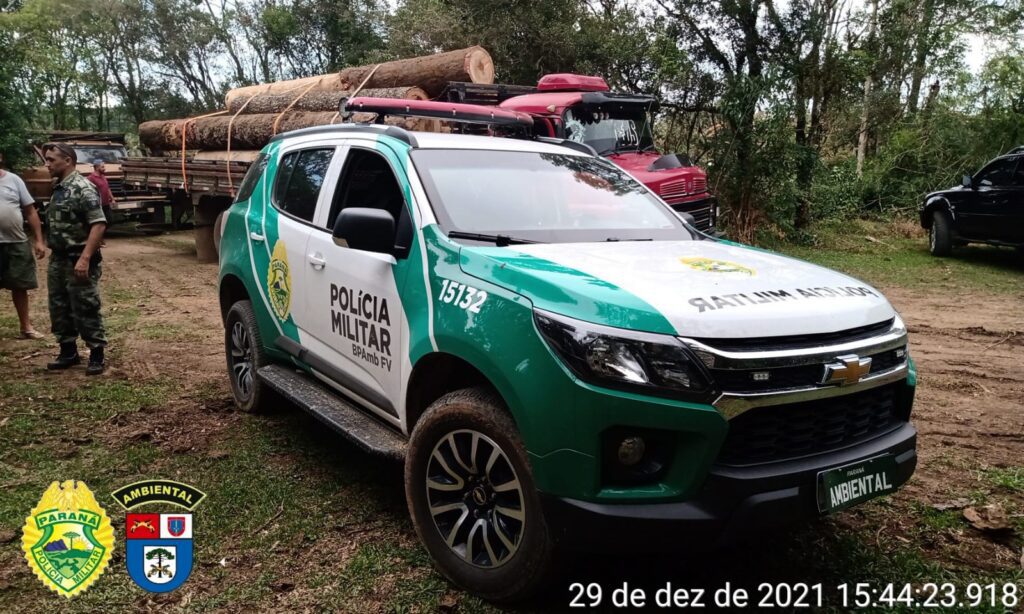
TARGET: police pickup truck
(559,360)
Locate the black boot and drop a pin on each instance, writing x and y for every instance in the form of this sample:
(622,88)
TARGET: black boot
(96,365)
(68,357)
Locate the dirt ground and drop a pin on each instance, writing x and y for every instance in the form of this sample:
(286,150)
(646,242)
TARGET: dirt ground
(969,411)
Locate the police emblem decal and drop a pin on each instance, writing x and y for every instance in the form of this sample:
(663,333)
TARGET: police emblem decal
(68,539)
(161,560)
(709,265)
(279,281)
(158,545)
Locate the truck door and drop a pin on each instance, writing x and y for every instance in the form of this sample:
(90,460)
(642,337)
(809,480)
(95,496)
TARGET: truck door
(282,230)
(357,323)
(986,214)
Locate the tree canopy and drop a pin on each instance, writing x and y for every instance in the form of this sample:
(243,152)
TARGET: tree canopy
(799,110)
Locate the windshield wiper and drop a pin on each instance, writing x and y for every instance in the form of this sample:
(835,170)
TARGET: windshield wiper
(616,239)
(498,240)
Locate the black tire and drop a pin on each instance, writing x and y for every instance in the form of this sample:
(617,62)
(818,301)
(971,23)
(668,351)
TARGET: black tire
(940,235)
(217,226)
(511,558)
(243,348)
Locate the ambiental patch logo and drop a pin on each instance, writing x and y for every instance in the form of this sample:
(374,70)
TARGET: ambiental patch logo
(716,266)
(158,547)
(279,281)
(67,538)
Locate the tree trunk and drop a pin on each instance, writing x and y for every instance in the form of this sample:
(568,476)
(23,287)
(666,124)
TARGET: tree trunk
(429,72)
(922,44)
(314,100)
(862,138)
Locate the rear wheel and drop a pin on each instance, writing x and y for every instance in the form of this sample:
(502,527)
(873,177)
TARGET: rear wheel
(940,235)
(243,348)
(472,498)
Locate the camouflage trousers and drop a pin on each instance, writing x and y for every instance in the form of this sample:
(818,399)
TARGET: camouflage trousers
(74,304)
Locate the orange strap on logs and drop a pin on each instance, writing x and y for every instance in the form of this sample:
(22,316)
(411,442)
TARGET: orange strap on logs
(184,132)
(227,164)
(277,120)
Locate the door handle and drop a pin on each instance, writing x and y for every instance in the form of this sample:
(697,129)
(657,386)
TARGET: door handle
(257,237)
(316,261)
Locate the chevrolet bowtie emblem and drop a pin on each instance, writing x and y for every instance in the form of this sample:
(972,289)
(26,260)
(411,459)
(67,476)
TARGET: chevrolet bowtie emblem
(846,370)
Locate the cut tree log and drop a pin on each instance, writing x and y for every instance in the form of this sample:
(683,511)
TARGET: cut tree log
(247,131)
(314,100)
(430,72)
(323,83)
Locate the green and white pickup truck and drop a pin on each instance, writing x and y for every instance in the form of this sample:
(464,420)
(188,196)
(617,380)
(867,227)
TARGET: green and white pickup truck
(559,359)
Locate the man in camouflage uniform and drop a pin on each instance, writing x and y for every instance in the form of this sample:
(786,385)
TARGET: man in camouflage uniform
(76,227)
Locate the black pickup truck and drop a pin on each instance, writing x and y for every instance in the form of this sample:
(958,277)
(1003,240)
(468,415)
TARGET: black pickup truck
(987,207)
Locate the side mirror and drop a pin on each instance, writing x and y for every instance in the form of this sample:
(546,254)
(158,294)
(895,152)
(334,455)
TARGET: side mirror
(370,230)
(967,182)
(688,218)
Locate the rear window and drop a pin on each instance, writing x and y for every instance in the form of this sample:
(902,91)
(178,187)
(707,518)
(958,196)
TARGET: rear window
(252,177)
(299,180)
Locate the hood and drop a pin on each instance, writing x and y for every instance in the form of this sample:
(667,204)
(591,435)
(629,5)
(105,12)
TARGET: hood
(661,181)
(690,288)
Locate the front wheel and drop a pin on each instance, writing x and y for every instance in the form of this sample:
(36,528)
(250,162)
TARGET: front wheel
(472,498)
(940,235)
(243,348)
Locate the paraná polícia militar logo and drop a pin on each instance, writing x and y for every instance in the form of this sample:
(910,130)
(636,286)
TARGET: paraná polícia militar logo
(67,538)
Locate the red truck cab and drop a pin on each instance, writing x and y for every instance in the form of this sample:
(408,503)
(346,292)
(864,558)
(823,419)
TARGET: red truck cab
(619,127)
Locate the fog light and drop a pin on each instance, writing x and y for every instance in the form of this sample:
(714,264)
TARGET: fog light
(761,376)
(901,352)
(631,450)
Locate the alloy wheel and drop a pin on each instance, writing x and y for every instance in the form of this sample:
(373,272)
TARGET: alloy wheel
(475,498)
(241,359)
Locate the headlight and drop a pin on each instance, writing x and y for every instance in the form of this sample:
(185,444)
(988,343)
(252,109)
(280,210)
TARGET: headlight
(617,358)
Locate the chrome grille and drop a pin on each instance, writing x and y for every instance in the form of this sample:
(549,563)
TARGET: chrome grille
(803,376)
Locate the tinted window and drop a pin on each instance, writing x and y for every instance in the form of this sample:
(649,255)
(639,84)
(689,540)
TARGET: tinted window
(367,181)
(252,177)
(1018,176)
(998,173)
(299,180)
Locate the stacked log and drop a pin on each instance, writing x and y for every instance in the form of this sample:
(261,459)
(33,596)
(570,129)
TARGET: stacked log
(247,131)
(256,113)
(317,101)
(429,72)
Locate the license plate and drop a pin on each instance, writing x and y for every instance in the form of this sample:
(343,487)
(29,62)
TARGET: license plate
(855,483)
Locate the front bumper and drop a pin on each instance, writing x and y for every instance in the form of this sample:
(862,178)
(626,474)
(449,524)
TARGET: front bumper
(734,503)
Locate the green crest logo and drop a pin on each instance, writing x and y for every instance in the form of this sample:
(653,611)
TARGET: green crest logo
(716,266)
(68,539)
(279,281)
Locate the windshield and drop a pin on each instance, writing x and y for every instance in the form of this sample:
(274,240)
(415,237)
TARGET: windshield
(609,132)
(552,198)
(88,153)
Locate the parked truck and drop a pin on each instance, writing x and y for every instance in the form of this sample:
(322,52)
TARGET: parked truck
(618,127)
(131,203)
(575,108)
(559,361)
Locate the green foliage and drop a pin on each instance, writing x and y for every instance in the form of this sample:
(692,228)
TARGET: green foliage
(14,111)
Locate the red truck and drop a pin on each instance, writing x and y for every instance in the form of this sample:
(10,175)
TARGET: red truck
(618,126)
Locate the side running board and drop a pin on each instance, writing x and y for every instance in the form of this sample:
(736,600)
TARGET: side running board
(334,411)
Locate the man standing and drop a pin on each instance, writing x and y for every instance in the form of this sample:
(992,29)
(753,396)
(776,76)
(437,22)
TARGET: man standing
(98,177)
(17,266)
(76,227)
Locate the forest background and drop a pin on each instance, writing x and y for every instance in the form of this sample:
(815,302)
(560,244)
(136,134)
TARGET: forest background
(802,111)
